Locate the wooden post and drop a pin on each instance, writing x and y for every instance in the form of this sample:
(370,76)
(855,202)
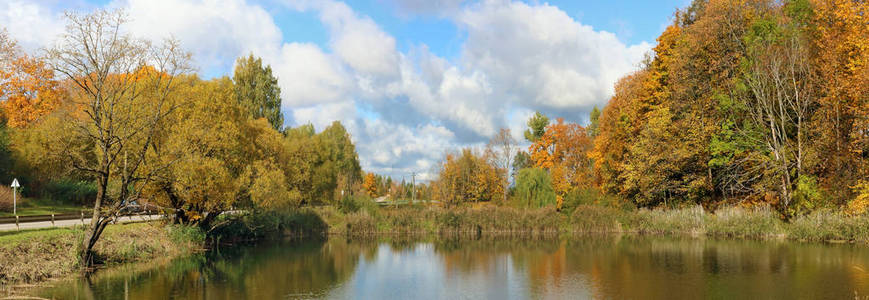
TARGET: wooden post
(52,220)
(17,227)
(82,218)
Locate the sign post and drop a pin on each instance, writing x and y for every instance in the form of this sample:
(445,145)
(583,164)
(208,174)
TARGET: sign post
(15,187)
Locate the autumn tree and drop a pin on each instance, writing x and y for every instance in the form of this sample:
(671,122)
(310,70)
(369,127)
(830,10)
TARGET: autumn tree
(121,85)
(258,91)
(563,151)
(780,98)
(340,167)
(469,177)
(204,146)
(370,185)
(839,52)
(28,89)
(501,149)
(326,163)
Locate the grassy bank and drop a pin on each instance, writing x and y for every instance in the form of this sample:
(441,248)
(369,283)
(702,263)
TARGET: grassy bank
(38,255)
(735,222)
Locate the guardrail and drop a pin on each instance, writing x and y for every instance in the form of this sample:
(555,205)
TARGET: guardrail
(56,217)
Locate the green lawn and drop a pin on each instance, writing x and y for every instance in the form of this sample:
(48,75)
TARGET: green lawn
(36,207)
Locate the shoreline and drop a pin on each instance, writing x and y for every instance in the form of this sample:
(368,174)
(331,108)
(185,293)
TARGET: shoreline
(129,244)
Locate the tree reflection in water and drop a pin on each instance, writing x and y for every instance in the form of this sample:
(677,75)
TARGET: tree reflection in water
(398,267)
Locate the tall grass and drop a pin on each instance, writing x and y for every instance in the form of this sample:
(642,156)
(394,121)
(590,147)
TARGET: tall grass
(42,254)
(502,220)
(733,222)
(826,225)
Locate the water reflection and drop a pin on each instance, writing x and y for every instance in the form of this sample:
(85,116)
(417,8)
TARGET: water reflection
(494,268)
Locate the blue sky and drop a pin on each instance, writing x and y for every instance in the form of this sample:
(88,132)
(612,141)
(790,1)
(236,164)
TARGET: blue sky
(410,79)
(633,21)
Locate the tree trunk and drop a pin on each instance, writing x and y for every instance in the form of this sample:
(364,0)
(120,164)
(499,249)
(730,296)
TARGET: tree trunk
(92,233)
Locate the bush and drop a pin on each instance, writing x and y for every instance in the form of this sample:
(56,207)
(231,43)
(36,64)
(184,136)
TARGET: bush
(186,234)
(70,191)
(258,225)
(355,203)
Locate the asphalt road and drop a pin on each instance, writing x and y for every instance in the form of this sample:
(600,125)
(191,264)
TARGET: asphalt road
(71,223)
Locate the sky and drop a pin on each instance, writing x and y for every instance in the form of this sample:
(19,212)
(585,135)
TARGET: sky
(411,80)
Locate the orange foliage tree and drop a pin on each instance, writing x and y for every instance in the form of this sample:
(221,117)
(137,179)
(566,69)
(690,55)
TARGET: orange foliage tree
(563,150)
(369,184)
(28,89)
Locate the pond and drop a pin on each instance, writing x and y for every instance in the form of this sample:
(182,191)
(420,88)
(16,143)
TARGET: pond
(493,268)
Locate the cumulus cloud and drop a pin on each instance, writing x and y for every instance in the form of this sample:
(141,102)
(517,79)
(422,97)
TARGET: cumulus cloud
(308,76)
(217,32)
(31,24)
(539,57)
(404,109)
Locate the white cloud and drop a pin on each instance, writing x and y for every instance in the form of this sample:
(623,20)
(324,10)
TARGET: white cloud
(550,61)
(217,32)
(308,76)
(31,24)
(403,109)
(359,42)
(322,115)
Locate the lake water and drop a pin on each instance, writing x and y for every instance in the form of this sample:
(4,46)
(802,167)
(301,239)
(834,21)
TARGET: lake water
(619,267)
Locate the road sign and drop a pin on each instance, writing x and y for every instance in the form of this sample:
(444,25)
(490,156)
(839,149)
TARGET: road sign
(15,187)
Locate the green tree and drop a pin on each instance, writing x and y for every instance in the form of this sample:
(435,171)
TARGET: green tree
(536,127)
(5,154)
(257,90)
(340,161)
(593,122)
(534,188)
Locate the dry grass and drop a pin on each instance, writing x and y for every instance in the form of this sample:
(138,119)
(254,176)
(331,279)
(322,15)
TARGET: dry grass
(5,198)
(35,256)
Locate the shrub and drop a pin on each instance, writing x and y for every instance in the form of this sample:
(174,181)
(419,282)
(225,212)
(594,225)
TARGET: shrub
(258,225)
(354,203)
(70,191)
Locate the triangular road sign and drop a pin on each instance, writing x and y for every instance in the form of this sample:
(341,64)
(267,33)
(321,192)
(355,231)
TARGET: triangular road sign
(15,183)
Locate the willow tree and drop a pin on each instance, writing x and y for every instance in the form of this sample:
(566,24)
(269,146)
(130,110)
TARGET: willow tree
(257,90)
(120,86)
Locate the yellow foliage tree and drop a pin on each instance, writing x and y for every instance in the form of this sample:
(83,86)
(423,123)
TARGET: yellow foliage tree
(369,184)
